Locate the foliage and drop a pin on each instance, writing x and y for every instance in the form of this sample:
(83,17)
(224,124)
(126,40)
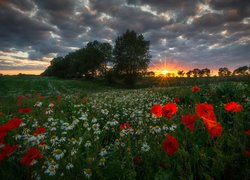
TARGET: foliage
(131,56)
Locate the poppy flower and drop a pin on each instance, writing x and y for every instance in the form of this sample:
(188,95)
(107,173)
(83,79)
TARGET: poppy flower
(138,160)
(25,110)
(188,120)
(124,126)
(248,132)
(7,150)
(2,136)
(15,122)
(168,110)
(177,100)
(248,153)
(59,98)
(1,113)
(195,89)
(40,130)
(214,128)
(157,110)
(170,145)
(233,107)
(206,111)
(31,155)
(12,124)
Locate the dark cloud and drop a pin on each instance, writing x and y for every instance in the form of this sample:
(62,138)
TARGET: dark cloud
(207,33)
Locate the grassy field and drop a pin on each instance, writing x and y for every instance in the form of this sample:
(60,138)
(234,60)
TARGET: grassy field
(88,130)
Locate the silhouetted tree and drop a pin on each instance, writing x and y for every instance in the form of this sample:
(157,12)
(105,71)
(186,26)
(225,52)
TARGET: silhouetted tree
(224,72)
(206,72)
(243,70)
(189,73)
(196,72)
(181,73)
(131,56)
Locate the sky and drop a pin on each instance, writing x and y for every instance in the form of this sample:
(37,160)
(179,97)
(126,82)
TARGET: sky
(183,34)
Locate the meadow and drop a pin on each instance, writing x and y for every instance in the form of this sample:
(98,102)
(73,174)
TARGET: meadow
(72,129)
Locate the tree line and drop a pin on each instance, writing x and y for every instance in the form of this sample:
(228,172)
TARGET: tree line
(129,59)
(223,71)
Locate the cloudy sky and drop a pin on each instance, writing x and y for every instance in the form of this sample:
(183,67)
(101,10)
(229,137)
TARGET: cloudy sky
(183,34)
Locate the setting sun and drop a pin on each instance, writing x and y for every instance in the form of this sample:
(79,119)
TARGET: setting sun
(164,72)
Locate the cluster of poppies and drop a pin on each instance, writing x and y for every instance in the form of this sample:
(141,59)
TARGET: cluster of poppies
(7,149)
(204,111)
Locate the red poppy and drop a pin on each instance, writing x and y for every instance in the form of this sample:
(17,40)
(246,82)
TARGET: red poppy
(168,110)
(125,126)
(214,128)
(233,107)
(157,110)
(40,130)
(2,136)
(12,124)
(138,160)
(1,113)
(177,100)
(206,111)
(15,122)
(25,110)
(195,89)
(188,120)
(248,153)
(7,150)
(59,98)
(248,132)
(31,155)
(170,145)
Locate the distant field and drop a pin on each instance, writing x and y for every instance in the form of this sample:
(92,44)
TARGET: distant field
(46,85)
(88,130)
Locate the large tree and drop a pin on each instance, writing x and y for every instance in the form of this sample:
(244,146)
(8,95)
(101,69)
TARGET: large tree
(131,56)
(224,71)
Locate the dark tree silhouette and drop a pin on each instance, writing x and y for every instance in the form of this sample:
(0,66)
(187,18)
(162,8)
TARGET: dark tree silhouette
(224,71)
(181,73)
(131,56)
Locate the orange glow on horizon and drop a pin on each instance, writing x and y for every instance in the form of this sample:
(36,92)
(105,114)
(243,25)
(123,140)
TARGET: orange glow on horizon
(23,71)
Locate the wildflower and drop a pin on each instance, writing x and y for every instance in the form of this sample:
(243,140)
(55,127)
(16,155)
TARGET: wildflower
(69,166)
(7,150)
(214,128)
(38,104)
(88,172)
(157,129)
(102,161)
(170,145)
(25,110)
(58,154)
(1,113)
(103,152)
(138,160)
(248,153)
(233,107)
(188,120)
(157,110)
(125,126)
(30,156)
(206,111)
(113,122)
(169,110)
(145,147)
(177,100)
(40,130)
(248,132)
(195,89)
(87,144)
